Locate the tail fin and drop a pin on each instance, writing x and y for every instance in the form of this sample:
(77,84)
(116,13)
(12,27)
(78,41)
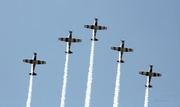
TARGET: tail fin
(69,52)
(34,74)
(121,61)
(95,39)
(149,86)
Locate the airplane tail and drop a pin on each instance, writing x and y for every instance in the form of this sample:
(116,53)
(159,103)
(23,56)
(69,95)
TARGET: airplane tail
(95,39)
(121,61)
(69,52)
(149,86)
(34,74)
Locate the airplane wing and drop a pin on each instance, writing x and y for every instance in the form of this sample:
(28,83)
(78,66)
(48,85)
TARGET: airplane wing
(63,39)
(31,61)
(122,49)
(28,61)
(126,49)
(101,27)
(89,26)
(40,62)
(144,73)
(156,74)
(76,40)
(98,27)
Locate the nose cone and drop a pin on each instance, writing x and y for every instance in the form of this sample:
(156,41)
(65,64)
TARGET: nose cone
(151,65)
(35,53)
(96,19)
(70,31)
(122,41)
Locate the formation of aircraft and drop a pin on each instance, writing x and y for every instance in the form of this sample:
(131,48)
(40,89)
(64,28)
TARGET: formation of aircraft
(34,61)
(150,74)
(122,49)
(95,27)
(69,40)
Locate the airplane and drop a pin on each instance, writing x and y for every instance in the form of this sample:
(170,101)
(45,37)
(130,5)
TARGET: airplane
(95,27)
(69,40)
(122,49)
(150,74)
(34,61)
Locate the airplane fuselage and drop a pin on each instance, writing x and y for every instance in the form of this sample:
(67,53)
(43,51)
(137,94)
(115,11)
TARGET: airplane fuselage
(69,41)
(150,74)
(34,62)
(95,28)
(122,47)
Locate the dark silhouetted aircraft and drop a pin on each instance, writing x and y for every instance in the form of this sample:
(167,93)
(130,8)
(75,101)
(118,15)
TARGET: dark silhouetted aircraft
(34,61)
(95,27)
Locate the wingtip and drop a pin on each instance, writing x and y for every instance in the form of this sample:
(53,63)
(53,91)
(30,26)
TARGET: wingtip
(24,60)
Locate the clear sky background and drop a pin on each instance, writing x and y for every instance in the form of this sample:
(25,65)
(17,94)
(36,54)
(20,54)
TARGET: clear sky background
(150,27)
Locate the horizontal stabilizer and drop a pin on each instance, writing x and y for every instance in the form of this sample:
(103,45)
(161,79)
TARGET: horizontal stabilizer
(95,39)
(121,61)
(34,74)
(149,86)
(69,52)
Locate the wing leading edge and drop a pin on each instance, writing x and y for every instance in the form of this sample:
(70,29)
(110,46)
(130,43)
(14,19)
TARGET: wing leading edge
(34,61)
(70,40)
(122,49)
(96,27)
(150,74)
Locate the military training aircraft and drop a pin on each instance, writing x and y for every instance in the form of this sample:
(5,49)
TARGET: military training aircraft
(150,74)
(69,40)
(95,27)
(122,49)
(34,61)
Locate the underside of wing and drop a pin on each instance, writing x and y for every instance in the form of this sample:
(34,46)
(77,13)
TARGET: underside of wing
(116,48)
(101,27)
(76,40)
(63,39)
(156,74)
(40,62)
(28,61)
(126,49)
(89,26)
(122,49)
(144,73)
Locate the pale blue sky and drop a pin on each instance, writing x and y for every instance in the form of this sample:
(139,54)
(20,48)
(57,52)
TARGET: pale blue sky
(151,28)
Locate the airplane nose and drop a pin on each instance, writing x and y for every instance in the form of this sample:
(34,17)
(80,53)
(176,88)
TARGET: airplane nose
(35,53)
